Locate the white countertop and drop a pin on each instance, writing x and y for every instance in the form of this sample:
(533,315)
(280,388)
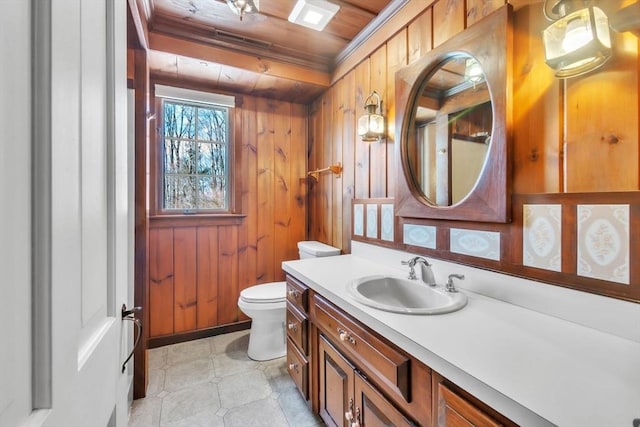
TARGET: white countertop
(534,368)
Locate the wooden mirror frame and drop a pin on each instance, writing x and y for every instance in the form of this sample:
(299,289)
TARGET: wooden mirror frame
(490,41)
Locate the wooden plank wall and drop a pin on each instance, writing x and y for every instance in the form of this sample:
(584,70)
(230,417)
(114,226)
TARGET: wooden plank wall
(575,135)
(198,266)
(370,168)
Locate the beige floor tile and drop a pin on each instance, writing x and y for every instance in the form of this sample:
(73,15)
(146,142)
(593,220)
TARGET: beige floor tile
(239,389)
(232,363)
(261,413)
(188,374)
(212,383)
(229,343)
(157,357)
(187,351)
(188,402)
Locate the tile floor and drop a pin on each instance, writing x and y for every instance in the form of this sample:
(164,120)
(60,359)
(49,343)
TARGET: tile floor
(212,382)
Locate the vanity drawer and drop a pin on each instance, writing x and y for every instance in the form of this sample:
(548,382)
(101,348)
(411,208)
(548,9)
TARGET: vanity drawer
(297,293)
(379,360)
(297,327)
(298,368)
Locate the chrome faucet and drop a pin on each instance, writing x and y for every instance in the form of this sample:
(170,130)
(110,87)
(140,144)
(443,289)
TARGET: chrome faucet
(425,270)
(450,287)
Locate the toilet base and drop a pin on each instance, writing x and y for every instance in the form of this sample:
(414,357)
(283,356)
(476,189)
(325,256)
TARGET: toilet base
(267,340)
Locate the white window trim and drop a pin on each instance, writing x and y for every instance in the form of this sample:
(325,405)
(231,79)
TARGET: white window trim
(190,95)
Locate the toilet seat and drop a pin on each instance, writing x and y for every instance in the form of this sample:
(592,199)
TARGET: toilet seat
(265,293)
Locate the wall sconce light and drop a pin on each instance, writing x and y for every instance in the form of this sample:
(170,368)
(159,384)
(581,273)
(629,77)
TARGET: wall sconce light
(578,40)
(242,7)
(371,124)
(473,71)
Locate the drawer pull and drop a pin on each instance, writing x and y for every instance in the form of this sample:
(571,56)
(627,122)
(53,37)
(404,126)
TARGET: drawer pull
(293,367)
(345,336)
(349,414)
(293,293)
(356,422)
(292,327)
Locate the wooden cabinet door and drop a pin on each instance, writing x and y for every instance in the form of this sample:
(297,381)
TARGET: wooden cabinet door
(454,411)
(336,385)
(373,409)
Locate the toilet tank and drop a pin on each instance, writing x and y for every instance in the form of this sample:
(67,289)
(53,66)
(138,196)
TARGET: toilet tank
(314,249)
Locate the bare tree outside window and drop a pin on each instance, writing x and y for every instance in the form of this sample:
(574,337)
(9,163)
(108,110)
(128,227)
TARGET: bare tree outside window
(196,157)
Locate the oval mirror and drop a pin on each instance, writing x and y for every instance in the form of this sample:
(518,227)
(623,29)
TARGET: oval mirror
(450,130)
(453,120)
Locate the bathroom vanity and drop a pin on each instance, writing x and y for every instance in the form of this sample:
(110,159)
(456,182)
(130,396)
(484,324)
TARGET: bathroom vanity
(490,363)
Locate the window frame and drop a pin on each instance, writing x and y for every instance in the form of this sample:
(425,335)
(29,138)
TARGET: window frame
(157,171)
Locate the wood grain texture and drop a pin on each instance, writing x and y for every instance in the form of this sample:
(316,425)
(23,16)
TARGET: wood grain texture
(248,233)
(537,110)
(207,277)
(593,136)
(141,209)
(283,197)
(362,150)
(339,101)
(478,9)
(349,138)
(297,180)
(419,38)
(266,187)
(228,293)
(378,150)
(161,282)
(397,57)
(450,17)
(185,287)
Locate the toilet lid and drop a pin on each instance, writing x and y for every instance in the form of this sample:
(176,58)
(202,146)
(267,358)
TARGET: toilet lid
(268,292)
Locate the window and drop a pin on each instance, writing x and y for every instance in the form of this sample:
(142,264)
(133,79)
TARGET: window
(196,151)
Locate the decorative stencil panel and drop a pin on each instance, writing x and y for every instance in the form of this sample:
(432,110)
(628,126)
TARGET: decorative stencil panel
(358,219)
(372,221)
(603,242)
(482,244)
(386,222)
(419,235)
(542,237)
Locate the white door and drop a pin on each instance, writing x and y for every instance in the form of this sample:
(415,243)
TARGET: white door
(65,193)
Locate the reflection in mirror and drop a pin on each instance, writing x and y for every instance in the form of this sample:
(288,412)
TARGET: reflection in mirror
(452,123)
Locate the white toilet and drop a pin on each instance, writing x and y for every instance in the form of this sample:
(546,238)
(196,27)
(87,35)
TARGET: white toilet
(266,305)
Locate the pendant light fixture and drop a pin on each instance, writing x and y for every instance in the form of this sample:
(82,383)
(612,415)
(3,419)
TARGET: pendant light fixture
(242,7)
(578,40)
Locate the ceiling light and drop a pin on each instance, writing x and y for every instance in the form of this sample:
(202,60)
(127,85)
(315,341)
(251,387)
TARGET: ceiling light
(314,14)
(242,7)
(578,40)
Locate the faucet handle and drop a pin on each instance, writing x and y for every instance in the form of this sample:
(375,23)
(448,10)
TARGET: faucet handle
(450,287)
(411,263)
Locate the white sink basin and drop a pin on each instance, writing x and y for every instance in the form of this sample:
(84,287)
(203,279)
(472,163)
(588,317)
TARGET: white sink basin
(401,295)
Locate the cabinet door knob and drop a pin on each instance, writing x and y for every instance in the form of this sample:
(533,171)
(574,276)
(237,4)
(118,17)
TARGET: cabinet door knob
(293,367)
(345,336)
(292,327)
(293,293)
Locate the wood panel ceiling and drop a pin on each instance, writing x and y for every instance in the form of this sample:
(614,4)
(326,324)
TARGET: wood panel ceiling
(263,54)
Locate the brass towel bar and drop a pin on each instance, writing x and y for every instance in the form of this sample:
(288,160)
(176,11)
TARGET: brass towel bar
(337,169)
